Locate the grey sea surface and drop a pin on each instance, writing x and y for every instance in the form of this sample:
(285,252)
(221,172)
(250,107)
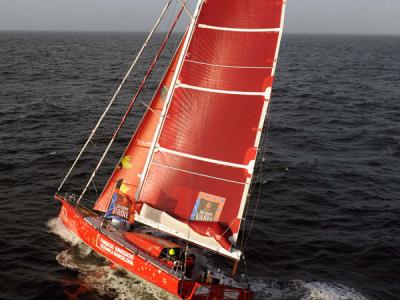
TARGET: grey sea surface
(328,219)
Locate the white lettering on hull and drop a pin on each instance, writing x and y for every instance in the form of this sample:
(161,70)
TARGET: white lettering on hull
(115,250)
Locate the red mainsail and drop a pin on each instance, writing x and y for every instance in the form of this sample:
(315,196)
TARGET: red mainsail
(191,164)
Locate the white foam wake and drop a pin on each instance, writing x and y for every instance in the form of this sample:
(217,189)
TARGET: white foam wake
(298,289)
(95,273)
(57,227)
(330,291)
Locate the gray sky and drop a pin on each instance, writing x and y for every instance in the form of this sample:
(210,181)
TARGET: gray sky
(303,16)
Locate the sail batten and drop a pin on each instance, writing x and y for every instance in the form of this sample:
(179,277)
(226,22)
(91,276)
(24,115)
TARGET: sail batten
(200,174)
(206,159)
(228,66)
(240,29)
(229,92)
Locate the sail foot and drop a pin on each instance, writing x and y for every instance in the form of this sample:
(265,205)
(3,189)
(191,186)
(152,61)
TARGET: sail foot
(209,235)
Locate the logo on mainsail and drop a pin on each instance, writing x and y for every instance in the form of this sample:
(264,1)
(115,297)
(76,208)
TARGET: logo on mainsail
(207,208)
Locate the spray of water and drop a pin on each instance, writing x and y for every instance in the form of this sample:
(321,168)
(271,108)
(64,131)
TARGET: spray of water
(96,273)
(300,290)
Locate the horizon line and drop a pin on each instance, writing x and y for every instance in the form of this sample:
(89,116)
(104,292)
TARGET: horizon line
(181,32)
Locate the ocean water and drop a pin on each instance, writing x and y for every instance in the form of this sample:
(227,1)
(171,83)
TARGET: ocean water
(328,218)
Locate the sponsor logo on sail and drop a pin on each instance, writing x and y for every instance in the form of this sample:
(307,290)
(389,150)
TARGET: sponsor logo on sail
(207,208)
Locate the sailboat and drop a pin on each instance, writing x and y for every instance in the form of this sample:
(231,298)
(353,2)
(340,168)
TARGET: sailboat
(180,189)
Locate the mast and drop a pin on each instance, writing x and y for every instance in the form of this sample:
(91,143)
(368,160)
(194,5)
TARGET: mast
(169,96)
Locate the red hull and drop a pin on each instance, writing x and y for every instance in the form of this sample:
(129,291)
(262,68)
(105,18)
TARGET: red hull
(111,244)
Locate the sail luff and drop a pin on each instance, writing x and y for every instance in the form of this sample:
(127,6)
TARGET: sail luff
(263,117)
(163,114)
(280,36)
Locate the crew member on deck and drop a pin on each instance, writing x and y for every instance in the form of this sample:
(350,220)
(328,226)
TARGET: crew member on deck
(172,254)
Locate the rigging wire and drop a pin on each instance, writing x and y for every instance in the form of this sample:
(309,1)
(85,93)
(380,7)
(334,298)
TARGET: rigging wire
(155,59)
(189,13)
(169,19)
(148,107)
(245,238)
(258,177)
(116,92)
(95,188)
